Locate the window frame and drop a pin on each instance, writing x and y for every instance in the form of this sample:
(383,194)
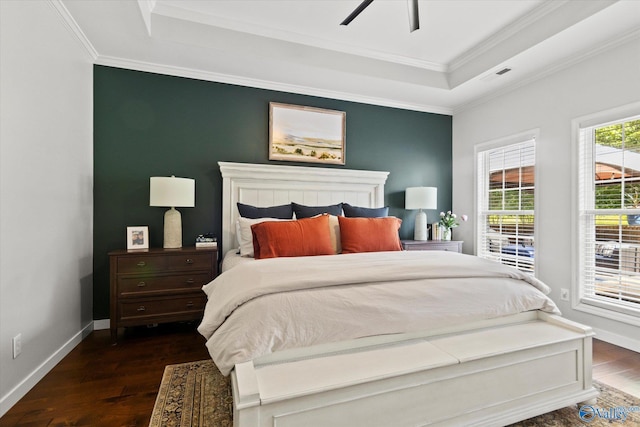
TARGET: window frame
(579,301)
(480,185)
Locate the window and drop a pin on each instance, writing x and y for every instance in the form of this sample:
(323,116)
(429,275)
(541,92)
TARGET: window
(609,215)
(506,183)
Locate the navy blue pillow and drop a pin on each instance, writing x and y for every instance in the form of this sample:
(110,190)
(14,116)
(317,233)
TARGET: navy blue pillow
(358,212)
(303,211)
(253,212)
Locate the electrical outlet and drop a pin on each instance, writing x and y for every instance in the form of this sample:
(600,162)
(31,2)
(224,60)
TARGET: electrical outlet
(17,345)
(564,294)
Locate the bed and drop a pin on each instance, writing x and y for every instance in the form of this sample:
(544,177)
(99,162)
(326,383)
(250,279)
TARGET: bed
(388,337)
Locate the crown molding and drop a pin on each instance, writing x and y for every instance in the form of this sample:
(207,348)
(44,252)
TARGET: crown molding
(568,62)
(265,84)
(146,8)
(176,12)
(507,32)
(74,28)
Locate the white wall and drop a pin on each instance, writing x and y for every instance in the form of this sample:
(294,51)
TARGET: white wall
(608,80)
(46,192)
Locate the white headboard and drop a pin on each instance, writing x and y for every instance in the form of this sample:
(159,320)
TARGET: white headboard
(272,185)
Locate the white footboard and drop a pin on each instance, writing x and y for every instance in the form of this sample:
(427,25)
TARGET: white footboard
(481,375)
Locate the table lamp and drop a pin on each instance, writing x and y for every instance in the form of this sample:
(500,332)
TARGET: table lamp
(421,198)
(172,192)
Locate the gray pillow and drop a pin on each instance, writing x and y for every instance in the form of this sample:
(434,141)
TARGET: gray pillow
(254,212)
(359,212)
(303,211)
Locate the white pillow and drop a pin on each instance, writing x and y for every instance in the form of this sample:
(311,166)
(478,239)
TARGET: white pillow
(334,232)
(243,233)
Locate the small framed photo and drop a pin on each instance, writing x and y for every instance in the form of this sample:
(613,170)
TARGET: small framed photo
(138,237)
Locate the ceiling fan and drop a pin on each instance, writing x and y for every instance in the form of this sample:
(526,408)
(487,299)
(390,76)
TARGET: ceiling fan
(414,21)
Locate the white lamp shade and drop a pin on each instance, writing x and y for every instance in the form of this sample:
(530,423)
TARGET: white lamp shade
(421,198)
(172,191)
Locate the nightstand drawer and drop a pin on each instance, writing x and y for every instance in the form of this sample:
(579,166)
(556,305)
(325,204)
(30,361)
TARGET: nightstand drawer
(189,262)
(138,286)
(141,264)
(161,306)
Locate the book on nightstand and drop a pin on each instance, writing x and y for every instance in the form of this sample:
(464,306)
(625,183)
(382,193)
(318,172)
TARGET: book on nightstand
(206,241)
(206,244)
(435,231)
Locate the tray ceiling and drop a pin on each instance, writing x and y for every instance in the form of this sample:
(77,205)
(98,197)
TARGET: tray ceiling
(298,46)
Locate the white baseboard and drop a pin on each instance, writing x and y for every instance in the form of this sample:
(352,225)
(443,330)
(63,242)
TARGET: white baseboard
(619,340)
(101,324)
(18,392)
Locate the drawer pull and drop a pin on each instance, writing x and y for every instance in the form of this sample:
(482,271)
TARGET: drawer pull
(141,308)
(190,304)
(141,264)
(142,284)
(189,261)
(190,281)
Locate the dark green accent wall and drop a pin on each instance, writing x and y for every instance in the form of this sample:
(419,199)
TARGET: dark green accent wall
(156,125)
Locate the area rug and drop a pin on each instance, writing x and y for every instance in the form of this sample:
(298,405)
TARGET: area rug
(195,394)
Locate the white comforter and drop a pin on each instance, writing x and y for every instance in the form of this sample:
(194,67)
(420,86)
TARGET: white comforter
(263,306)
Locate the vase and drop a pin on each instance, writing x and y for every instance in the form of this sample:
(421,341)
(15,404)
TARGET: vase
(446,233)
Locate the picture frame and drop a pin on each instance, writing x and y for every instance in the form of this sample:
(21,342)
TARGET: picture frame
(306,134)
(138,237)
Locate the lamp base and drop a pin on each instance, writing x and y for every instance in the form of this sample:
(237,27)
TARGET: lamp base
(420,231)
(172,229)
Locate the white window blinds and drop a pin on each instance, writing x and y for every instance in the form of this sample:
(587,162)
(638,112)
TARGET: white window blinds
(506,183)
(609,215)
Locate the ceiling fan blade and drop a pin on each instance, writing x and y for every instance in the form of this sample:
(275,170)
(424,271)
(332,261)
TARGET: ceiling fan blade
(414,19)
(362,6)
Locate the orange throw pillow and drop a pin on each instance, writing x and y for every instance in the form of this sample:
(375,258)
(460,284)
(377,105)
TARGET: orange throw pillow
(369,234)
(302,237)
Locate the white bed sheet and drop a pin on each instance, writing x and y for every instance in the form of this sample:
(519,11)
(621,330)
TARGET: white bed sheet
(263,306)
(231,259)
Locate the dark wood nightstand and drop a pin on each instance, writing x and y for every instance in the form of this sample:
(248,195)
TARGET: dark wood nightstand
(432,245)
(159,285)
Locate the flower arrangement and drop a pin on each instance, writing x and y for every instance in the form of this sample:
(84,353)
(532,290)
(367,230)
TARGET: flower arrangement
(450,220)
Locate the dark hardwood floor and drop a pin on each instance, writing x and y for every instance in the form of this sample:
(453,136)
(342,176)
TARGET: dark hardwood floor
(98,384)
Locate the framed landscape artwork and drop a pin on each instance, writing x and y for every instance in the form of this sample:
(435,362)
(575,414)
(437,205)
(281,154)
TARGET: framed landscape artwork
(306,134)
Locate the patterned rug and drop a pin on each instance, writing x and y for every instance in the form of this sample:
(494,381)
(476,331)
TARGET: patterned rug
(186,387)
(183,392)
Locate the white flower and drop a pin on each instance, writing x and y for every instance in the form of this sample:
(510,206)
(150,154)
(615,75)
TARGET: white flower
(450,220)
